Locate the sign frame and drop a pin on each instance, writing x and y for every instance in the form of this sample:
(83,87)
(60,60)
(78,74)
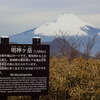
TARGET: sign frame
(10,53)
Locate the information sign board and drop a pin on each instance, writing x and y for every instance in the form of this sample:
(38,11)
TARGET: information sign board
(24,69)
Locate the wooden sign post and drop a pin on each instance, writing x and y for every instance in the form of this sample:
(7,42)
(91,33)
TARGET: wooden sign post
(36,41)
(4,40)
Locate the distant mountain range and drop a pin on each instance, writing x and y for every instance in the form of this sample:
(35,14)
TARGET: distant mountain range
(67,23)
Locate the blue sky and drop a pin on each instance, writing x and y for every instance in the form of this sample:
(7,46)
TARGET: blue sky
(17,16)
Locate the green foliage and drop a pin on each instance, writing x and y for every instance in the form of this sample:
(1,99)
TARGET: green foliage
(78,79)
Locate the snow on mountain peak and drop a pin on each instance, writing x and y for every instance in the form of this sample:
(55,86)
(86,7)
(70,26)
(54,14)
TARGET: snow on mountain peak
(98,33)
(66,22)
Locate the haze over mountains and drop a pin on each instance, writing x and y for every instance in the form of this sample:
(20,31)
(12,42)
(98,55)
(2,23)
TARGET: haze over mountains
(69,23)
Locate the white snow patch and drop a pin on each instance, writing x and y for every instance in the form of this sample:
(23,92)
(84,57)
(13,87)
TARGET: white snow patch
(36,37)
(98,33)
(4,36)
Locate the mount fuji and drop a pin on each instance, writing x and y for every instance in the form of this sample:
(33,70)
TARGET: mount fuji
(69,23)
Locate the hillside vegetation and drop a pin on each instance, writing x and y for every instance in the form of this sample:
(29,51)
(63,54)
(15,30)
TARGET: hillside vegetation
(78,79)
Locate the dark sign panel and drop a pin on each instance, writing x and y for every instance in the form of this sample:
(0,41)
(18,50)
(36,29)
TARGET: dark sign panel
(24,69)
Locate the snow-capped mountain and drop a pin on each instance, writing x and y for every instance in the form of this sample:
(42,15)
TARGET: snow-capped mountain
(69,23)
(66,22)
